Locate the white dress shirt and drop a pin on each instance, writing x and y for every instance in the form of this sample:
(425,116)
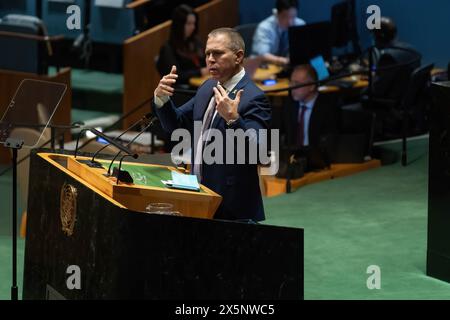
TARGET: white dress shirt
(198,159)
(267,36)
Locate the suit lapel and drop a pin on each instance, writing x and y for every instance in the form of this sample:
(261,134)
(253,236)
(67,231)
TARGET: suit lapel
(241,84)
(205,96)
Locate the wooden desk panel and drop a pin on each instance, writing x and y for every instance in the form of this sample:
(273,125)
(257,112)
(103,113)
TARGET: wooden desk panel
(274,186)
(135,196)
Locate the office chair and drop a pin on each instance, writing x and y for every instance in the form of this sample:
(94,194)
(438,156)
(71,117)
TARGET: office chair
(247,31)
(55,16)
(388,87)
(111,24)
(344,26)
(416,98)
(24,47)
(27,7)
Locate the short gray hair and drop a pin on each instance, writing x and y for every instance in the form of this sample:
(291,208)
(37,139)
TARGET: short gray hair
(236,41)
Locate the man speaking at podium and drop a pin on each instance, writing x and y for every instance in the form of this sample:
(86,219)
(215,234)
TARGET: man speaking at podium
(229,100)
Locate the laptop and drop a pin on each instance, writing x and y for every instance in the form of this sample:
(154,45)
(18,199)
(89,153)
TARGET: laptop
(318,63)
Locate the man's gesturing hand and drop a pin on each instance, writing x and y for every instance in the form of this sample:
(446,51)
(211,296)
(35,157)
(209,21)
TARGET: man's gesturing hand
(165,86)
(225,106)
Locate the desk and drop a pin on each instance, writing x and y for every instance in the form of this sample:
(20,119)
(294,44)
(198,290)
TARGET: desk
(275,186)
(146,188)
(126,254)
(284,83)
(260,75)
(270,73)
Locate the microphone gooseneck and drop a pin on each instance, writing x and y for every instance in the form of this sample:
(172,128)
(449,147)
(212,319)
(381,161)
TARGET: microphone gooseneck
(142,120)
(151,122)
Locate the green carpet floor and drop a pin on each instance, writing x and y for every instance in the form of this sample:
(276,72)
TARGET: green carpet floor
(6,266)
(378,217)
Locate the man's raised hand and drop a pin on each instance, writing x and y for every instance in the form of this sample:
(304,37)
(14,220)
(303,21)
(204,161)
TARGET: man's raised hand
(227,107)
(165,86)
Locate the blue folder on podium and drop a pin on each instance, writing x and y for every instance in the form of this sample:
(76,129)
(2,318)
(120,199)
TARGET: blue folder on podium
(185,181)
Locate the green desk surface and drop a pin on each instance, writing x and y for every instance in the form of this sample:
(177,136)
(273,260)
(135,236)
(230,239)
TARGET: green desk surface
(149,176)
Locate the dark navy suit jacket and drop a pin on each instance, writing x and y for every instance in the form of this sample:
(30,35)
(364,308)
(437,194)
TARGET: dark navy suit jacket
(324,120)
(238,184)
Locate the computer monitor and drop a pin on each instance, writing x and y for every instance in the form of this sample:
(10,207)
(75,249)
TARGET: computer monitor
(309,41)
(343,25)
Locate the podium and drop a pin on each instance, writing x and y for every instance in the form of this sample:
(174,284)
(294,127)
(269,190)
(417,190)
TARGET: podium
(438,238)
(147,187)
(77,222)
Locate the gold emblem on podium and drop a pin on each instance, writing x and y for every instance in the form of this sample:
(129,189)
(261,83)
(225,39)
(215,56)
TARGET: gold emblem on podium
(68,208)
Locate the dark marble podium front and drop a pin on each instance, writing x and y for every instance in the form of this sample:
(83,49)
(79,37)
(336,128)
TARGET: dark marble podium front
(438,246)
(130,255)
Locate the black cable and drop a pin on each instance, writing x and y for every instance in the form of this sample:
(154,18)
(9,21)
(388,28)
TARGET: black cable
(320,82)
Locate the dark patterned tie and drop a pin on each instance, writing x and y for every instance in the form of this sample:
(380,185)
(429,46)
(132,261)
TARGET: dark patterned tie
(200,145)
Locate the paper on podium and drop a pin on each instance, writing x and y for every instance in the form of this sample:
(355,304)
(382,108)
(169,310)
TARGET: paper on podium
(183,181)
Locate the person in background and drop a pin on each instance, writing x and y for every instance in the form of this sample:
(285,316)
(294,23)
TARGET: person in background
(390,82)
(394,61)
(271,39)
(184,49)
(386,36)
(309,117)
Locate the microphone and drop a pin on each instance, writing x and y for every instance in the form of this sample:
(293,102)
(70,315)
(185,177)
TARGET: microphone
(77,42)
(110,141)
(122,175)
(118,172)
(96,164)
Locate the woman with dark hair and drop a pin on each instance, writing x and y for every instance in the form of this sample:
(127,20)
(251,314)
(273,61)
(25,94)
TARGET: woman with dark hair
(183,49)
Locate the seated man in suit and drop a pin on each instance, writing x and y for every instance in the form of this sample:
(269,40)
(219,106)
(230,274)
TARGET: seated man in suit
(310,117)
